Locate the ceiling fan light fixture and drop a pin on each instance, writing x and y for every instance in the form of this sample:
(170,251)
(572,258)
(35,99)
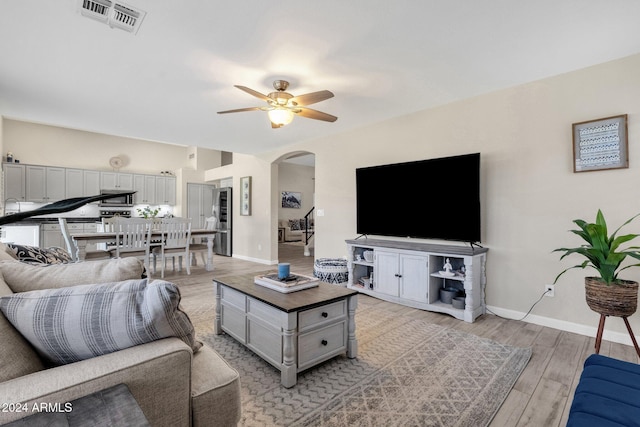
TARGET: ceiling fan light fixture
(280,116)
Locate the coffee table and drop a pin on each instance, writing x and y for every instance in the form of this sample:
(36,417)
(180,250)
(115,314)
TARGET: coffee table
(292,331)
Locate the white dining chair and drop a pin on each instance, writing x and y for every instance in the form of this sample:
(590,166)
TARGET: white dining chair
(73,249)
(201,247)
(174,243)
(133,239)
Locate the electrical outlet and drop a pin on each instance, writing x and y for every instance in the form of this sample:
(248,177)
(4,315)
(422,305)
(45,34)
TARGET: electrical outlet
(550,290)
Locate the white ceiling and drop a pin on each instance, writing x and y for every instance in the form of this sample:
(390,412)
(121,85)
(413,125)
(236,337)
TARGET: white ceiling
(381,58)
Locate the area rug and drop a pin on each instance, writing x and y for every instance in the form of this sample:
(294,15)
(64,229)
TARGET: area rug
(408,373)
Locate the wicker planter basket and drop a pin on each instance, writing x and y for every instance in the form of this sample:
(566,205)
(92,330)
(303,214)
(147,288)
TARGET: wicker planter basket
(619,300)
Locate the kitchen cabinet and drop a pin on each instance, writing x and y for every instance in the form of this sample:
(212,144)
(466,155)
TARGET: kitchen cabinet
(52,236)
(116,181)
(199,203)
(82,183)
(91,182)
(145,188)
(74,183)
(14,181)
(165,190)
(45,184)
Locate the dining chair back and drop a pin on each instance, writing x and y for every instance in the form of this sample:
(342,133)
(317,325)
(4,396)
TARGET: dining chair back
(176,236)
(133,239)
(73,249)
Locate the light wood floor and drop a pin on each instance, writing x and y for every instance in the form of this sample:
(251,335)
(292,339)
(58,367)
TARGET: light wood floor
(543,393)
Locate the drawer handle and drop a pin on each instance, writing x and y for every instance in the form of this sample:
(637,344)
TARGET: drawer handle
(325,314)
(324,342)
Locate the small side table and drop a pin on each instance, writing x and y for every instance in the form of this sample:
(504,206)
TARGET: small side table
(280,234)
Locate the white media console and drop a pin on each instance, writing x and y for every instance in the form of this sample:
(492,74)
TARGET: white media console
(412,274)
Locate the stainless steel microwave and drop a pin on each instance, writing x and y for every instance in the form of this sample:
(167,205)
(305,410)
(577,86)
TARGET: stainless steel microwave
(119,198)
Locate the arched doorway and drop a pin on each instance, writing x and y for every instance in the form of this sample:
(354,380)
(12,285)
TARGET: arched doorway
(296,207)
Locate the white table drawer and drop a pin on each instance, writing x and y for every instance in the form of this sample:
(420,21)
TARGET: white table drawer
(264,312)
(234,298)
(322,343)
(318,316)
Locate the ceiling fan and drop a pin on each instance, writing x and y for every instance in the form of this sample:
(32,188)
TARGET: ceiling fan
(282,106)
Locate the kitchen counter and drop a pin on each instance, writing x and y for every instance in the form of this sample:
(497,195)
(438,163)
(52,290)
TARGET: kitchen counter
(36,220)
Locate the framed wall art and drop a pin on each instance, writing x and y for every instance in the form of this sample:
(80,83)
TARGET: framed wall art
(291,199)
(245,195)
(600,144)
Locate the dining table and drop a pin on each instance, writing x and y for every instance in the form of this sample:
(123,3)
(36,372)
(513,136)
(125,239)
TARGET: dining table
(81,240)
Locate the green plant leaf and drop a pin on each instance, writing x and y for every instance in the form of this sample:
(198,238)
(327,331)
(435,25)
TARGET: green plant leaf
(602,252)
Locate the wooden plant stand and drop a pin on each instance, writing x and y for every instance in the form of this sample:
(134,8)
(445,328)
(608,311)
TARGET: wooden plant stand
(601,330)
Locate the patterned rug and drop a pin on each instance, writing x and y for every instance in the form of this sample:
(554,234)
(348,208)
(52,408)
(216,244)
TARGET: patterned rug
(408,373)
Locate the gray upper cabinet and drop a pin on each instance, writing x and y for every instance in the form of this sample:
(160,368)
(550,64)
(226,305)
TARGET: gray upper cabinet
(14,182)
(165,190)
(116,181)
(82,183)
(45,184)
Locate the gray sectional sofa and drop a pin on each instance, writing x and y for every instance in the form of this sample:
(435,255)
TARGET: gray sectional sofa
(172,383)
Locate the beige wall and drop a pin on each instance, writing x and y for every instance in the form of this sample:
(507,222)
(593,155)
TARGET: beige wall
(529,191)
(300,179)
(39,144)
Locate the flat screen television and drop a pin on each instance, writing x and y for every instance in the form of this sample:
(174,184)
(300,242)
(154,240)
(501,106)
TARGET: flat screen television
(430,199)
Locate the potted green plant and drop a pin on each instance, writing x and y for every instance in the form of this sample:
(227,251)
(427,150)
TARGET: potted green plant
(147,212)
(606,294)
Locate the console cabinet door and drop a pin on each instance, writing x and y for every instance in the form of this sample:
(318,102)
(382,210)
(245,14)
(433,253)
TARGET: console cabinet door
(385,278)
(414,277)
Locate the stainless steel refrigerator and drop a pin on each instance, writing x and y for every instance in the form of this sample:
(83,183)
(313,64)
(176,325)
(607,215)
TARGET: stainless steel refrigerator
(222,213)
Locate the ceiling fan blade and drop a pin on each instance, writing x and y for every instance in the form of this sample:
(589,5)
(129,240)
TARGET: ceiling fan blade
(312,98)
(314,114)
(254,93)
(239,110)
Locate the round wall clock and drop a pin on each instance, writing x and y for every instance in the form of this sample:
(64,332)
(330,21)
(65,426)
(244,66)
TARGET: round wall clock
(115,162)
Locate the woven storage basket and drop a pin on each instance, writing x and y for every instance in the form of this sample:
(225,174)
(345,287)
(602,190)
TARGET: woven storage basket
(619,300)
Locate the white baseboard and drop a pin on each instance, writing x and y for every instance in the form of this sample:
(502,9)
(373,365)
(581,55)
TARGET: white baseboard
(577,328)
(258,260)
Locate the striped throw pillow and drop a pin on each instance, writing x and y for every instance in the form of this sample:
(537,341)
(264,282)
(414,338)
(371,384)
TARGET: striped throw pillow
(80,322)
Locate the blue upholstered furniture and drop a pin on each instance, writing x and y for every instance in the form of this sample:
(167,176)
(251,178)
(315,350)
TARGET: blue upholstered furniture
(608,394)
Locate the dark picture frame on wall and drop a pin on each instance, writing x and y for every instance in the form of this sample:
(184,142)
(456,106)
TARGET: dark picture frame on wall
(245,195)
(291,199)
(601,144)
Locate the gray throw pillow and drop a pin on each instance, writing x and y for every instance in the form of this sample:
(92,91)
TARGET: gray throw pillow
(80,322)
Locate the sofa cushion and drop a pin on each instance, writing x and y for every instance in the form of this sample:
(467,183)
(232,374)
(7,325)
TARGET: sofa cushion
(6,254)
(17,356)
(215,390)
(22,277)
(36,255)
(79,322)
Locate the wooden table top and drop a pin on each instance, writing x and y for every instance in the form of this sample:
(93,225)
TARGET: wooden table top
(294,301)
(111,234)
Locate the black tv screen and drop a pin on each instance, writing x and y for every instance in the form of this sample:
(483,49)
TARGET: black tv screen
(431,199)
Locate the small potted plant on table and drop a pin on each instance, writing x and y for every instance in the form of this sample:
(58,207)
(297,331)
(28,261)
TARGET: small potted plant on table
(606,294)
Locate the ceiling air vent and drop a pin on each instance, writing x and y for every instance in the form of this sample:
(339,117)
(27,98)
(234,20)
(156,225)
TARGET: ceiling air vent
(115,14)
